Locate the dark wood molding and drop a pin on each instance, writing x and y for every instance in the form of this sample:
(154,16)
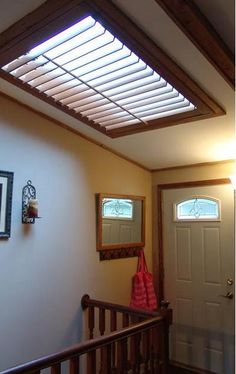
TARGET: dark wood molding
(117,253)
(159,270)
(199,30)
(54,16)
(210,163)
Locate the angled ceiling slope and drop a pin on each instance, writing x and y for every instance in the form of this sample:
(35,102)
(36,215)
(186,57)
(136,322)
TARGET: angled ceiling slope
(188,16)
(118,117)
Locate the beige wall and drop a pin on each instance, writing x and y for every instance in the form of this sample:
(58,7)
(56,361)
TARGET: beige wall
(48,266)
(214,171)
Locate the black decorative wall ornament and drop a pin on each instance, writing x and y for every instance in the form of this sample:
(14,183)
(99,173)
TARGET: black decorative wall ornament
(29,203)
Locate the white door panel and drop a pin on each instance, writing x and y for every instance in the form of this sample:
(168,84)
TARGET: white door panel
(198,260)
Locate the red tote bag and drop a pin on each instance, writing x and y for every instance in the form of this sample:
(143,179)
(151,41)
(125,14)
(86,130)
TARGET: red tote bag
(143,295)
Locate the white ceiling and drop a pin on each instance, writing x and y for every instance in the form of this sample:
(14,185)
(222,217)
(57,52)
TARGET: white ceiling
(197,142)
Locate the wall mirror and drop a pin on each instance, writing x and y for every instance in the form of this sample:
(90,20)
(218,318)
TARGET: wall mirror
(120,222)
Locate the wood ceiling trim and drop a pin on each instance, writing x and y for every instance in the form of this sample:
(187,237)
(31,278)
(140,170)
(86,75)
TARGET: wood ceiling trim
(173,120)
(53,16)
(196,165)
(199,30)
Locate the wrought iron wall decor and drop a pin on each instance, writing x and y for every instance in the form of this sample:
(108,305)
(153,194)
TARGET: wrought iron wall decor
(29,203)
(6,187)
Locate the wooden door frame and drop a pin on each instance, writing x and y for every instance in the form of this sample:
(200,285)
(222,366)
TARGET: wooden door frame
(158,253)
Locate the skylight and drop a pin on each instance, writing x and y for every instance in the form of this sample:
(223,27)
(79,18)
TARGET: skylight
(90,72)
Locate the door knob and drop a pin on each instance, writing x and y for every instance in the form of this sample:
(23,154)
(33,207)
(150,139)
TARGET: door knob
(230,281)
(229,295)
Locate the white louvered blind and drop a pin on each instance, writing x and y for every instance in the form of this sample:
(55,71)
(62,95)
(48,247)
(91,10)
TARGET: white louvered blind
(91,72)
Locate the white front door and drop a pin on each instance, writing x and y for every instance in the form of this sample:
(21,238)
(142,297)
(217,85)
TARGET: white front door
(199,277)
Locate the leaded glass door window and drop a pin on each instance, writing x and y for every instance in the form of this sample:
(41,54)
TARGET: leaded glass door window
(197,208)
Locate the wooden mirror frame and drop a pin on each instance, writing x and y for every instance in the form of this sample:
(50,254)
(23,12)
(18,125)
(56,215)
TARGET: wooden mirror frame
(120,250)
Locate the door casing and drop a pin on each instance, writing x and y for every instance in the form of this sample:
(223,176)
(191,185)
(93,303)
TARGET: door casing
(158,268)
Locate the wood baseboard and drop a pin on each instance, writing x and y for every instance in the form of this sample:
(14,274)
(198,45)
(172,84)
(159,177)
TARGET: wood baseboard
(178,368)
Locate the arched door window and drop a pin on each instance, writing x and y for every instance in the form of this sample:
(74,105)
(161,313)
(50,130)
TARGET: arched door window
(197,208)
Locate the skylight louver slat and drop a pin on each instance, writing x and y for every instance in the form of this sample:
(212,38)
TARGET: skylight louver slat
(33,72)
(45,77)
(130,78)
(95,104)
(146,108)
(92,97)
(123,124)
(138,112)
(145,88)
(16,64)
(122,72)
(164,88)
(100,109)
(75,44)
(116,118)
(58,41)
(69,92)
(97,115)
(88,70)
(122,62)
(27,68)
(139,82)
(150,100)
(78,97)
(164,113)
(164,108)
(86,55)
(59,85)
(93,66)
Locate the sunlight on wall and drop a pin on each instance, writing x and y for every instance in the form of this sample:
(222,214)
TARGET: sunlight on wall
(233,177)
(225,151)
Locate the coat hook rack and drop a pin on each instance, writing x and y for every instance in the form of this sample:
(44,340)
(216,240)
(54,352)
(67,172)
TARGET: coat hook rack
(29,203)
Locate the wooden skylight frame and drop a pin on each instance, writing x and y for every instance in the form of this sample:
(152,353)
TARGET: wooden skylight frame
(55,16)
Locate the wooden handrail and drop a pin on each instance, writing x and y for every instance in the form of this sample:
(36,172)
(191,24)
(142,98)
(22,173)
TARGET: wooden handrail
(86,302)
(146,337)
(82,348)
